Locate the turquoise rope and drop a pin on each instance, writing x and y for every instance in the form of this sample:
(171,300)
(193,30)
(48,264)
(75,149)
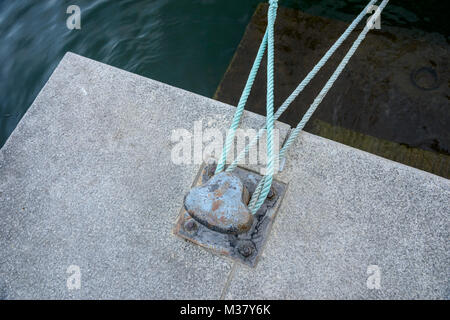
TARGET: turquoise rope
(330,82)
(263,187)
(240,107)
(303,84)
(325,89)
(258,198)
(268,40)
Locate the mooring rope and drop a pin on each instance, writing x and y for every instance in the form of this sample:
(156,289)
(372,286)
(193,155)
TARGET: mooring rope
(331,81)
(258,199)
(303,84)
(268,40)
(240,107)
(294,133)
(248,86)
(264,185)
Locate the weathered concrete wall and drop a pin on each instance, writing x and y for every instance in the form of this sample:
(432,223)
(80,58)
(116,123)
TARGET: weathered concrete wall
(86,179)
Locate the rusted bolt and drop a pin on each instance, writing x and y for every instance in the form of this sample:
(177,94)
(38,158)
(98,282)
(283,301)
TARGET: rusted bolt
(272,193)
(190,226)
(246,249)
(209,170)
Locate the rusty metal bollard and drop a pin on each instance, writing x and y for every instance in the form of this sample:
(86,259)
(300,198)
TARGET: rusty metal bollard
(220,204)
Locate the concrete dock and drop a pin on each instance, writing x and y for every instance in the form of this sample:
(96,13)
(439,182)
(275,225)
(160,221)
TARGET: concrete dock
(86,180)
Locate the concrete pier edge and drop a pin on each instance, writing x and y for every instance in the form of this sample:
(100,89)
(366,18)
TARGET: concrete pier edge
(86,180)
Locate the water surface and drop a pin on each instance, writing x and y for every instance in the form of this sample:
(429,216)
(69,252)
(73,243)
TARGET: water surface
(188,44)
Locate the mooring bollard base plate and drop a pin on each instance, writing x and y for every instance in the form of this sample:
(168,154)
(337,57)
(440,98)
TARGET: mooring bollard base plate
(245,247)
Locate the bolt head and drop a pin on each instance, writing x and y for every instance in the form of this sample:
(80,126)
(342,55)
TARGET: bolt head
(271,194)
(190,226)
(246,249)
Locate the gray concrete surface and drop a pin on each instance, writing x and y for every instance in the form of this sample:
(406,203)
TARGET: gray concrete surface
(345,210)
(86,179)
